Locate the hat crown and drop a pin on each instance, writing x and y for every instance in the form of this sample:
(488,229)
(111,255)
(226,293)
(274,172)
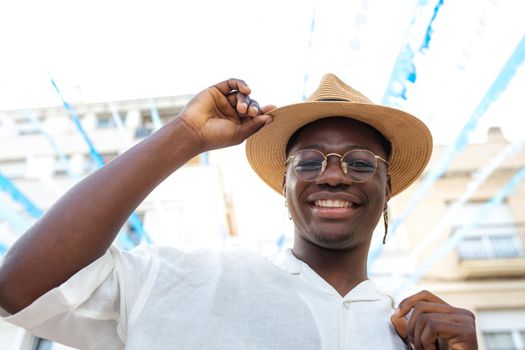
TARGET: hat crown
(410,139)
(331,88)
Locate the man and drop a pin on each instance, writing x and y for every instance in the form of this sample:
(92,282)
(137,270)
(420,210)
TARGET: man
(342,159)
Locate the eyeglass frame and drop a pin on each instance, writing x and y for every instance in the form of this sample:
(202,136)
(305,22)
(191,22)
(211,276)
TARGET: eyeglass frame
(325,163)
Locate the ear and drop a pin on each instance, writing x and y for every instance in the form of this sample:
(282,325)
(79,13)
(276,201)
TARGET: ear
(388,189)
(284,186)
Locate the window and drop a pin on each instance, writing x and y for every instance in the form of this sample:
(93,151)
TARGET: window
(62,167)
(105,122)
(146,126)
(143,132)
(496,236)
(27,127)
(499,340)
(503,329)
(13,168)
(496,241)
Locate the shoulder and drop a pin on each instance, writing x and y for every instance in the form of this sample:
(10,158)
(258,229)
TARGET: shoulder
(388,296)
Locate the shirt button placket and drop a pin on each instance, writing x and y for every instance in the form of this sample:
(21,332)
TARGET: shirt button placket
(343,331)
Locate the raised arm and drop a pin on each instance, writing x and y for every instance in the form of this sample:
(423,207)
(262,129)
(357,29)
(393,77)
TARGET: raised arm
(81,225)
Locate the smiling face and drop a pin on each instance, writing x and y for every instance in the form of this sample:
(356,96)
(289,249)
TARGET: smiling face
(333,212)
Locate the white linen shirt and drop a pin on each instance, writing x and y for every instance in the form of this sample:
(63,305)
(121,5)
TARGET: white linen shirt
(157,297)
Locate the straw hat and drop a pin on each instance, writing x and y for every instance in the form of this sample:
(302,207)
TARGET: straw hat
(410,139)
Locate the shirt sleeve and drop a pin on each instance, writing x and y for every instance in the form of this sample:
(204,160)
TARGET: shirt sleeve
(91,309)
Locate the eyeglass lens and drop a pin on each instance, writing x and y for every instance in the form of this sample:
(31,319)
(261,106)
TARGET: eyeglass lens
(358,165)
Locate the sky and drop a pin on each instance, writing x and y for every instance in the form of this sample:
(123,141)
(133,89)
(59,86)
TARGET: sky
(113,50)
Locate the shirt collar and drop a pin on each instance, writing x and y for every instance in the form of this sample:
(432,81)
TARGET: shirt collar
(288,262)
(364,291)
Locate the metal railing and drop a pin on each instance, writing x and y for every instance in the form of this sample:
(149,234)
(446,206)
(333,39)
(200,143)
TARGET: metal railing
(493,241)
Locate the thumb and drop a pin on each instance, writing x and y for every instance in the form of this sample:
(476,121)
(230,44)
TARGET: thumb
(253,125)
(401,325)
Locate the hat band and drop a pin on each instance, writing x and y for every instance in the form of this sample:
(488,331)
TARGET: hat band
(333,100)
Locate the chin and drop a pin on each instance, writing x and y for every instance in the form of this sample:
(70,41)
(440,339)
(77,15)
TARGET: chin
(333,240)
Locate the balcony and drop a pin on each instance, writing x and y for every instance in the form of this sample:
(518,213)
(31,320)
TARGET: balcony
(493,251)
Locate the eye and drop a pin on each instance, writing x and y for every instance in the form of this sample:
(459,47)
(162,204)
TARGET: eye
(360,165)
(308,165)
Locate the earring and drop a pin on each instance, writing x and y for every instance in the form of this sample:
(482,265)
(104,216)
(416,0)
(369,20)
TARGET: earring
(385,221)
(286,205)
(284,195)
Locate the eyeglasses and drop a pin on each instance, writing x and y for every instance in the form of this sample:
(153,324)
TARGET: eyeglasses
(358,164)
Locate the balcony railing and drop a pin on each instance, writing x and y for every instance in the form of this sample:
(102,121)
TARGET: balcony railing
(493,241)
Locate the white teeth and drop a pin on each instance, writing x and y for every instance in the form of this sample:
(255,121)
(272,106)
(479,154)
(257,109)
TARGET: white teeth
(332,203)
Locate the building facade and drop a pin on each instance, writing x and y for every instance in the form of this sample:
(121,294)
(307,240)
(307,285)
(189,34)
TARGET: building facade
(484,270)
(216,200)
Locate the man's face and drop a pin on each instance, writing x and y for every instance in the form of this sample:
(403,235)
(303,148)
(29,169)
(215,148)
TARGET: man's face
(334,212)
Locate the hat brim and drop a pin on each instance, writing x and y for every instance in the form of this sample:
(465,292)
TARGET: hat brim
(410,139)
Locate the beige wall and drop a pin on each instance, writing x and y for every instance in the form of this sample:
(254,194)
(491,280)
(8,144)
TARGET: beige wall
(500,283)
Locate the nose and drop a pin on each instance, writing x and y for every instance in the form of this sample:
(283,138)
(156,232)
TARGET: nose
(333,175)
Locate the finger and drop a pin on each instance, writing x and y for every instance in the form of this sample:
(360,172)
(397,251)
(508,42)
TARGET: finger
(427,307)
(416,329)
(400,325)
(458,336)
(424,296)
(240,102)
(416,323)
(225,107)
(252,125)
(430,332)
(267,108)
(424,311)
(406,326)
(253,109)
(267,119)
(443,325)
(233,84)
(244,105)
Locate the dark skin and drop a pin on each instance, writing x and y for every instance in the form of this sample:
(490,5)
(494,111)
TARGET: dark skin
(80,227)
(335,242)
(434,324)
(336,247)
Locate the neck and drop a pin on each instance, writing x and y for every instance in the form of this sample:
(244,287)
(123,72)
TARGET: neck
(343,269)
